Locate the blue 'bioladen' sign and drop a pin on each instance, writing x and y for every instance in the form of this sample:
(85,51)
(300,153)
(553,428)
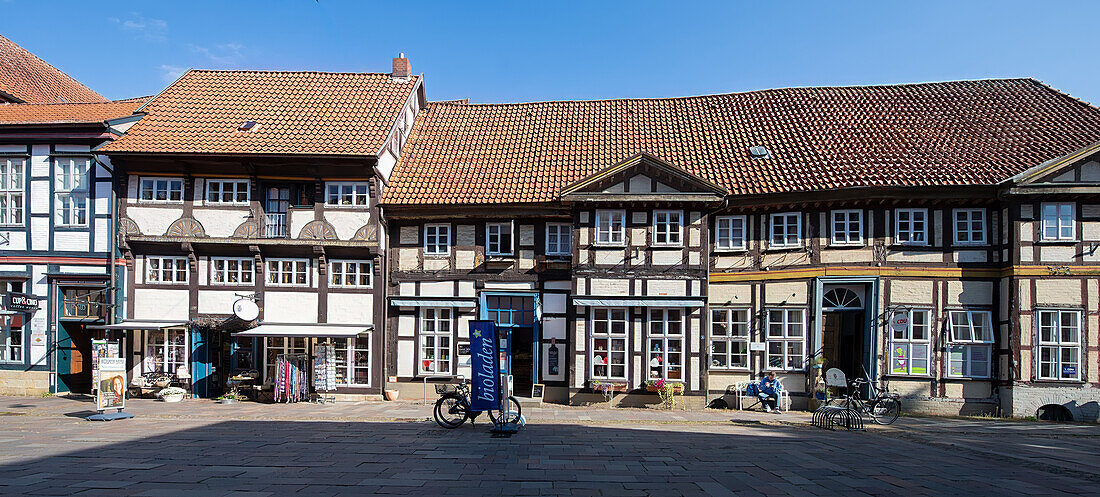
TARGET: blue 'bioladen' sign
(485,377)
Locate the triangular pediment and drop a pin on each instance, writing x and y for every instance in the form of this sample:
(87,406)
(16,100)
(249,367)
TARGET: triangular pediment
(642,175)
(1081,167)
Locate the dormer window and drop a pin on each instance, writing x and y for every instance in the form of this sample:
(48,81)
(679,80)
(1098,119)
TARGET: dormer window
(247,126)
(760,152)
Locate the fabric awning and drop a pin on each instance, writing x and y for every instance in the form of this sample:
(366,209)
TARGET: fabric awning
(416,302)
(637,302)
(139,325)
(306,330)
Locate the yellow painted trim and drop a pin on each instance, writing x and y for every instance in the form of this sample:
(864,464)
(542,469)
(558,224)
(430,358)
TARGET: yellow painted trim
(907,272)
(1063,161)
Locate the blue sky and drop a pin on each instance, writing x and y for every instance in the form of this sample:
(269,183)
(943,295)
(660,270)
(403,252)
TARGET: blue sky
(524,51)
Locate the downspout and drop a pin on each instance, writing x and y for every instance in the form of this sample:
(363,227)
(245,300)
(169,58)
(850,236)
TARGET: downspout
(706,314)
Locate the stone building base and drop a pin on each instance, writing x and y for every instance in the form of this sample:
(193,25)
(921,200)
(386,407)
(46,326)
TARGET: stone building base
(1082,401)
(27,383)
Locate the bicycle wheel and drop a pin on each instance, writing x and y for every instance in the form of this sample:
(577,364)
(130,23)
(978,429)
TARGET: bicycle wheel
(511,412)
(451,411)
(886,410)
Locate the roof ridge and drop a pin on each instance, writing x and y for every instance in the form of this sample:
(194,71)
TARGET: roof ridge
(105,102)
(273,71)
(745,92)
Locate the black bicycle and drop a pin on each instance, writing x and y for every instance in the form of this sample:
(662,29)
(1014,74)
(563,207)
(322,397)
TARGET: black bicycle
(883,407)
(453,407)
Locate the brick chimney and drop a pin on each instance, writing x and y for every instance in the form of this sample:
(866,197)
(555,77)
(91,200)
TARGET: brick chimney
(401,67)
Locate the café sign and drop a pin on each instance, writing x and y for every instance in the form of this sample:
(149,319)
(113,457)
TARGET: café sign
(20,302)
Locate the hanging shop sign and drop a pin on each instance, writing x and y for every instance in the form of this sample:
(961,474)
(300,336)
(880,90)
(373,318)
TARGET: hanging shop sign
(485,368)
(20,302)
(111,383)
(246,310)
(900,322)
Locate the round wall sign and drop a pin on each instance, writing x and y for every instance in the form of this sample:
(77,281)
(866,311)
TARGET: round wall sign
(900,322)
(246,310)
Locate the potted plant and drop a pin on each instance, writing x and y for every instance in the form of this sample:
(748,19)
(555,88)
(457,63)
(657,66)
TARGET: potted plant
(171,394)
(657,385)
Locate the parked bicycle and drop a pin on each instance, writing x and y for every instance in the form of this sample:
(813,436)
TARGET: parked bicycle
(453,407)
(883,407)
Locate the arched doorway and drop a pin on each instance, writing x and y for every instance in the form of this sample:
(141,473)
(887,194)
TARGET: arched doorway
(844,323)
(1054,412)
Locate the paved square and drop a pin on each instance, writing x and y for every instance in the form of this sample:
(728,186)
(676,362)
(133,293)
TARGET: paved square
(234,450)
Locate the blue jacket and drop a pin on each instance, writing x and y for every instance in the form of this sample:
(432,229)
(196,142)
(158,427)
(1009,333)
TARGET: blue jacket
(772,387)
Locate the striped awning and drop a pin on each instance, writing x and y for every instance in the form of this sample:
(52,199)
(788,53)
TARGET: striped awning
(432,302)
(637,302)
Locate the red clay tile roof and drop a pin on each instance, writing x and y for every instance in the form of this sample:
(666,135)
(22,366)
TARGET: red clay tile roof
(26,78)
(310,113)
(21,114)
(953,133)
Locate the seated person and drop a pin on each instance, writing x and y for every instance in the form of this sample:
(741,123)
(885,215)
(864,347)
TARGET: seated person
(768,390)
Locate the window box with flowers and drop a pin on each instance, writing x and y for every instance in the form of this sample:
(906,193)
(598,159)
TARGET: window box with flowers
(657,385)
(609,386)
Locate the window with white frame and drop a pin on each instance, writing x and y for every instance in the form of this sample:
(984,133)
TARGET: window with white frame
(610,227)
(969,226)
(786,230)
(11,191)
(498,239)
(437,239)
(911,226)
(559,239)
(165,351)
(847,227)
(668,228)
(609,351)
(166,269)
(785,339)
(729,233)
(353,194)
(276,346)
(1059,221)
(729,338)
(910,341)
(232,271)
(665,346)
(971,344)
(71,190)
(435,340)
(161,190)
(352,359)
(11,339)
(227,191)
(1059,345)
(288,272)
(350,274)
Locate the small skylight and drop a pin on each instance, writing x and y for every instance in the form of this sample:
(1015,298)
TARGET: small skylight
(760,152)
(247,126)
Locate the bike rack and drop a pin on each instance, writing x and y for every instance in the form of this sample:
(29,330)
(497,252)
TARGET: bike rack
(833,417)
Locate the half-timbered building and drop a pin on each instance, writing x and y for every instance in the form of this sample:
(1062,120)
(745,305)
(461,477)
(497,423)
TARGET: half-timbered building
(934,236)
(261,186)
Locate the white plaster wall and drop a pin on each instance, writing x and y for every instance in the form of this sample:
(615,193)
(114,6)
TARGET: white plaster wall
(437,289)
(40,233)
(605,287)
(553,302)
(790,293)
(351,308)
(102,235)
(911,291)
(297,219)
(658,288)
(71,241)
(1057,253)
(914,256)
(666,257)
(13,240)
(220,223)
(290,307)
(509,285)
(553,328)
(153,221)
(406,325)
(217,301)
(102,197)
(1057,291)
(722,293)
(161,304)
(406,358)
(40,197)
(40,160)
(970,293)
(83,269)
(347,221)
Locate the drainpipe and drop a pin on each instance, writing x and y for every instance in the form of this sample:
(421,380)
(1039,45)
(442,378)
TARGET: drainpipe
(706,315)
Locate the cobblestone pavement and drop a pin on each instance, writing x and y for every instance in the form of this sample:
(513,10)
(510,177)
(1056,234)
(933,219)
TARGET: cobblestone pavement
(197,448)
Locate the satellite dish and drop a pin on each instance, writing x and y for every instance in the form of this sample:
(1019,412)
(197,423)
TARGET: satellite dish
(246,310)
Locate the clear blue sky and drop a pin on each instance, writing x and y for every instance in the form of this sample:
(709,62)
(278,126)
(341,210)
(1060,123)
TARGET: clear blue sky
(528,50)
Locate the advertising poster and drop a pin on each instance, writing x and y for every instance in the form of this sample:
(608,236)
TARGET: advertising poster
(111,383)
(99,351)
(484,368)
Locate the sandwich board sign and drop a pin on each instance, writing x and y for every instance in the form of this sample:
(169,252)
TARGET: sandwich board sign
(110,389)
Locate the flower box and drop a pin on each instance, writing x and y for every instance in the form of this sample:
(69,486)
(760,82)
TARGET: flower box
(609,387)
(676,387)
